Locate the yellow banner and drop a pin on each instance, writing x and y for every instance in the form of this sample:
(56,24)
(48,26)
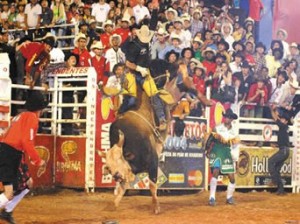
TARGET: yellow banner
(253,167)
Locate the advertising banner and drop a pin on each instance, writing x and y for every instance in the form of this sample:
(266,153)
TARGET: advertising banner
(253,170)
(182,163)
(70,162)
(43,176)
(104,117)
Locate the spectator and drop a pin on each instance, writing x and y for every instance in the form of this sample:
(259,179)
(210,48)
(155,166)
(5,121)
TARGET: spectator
(172,57)
(223,48)
(235,66)
(100,11)
(160,43)
(175,45)
(124,30)
(187,54)
(59,18)
(290,67)
(226,31)
(259,57)
(249,51)
(171,15)
(239,94)
(238,46)
(114,54)
(246,76)
(196,24)
(199,78)
(255,11)
(4,12)
(91,33)
(289,92)
(21,17)
(282,35)
(208,41)
(273,61)
(249,27)
(258,95)
(80,49)
(209,61)
(108,31)
(196,46)
(12,18)
(127,11)
(140,12)
(294,54)
(33,13)
(46,17)
(185,41)
(100,63)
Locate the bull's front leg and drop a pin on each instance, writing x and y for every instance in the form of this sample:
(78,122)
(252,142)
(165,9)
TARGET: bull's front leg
(120,191)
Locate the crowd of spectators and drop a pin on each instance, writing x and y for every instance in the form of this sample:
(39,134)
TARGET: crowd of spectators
(216,39)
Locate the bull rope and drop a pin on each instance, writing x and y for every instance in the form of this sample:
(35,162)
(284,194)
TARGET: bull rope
(156,133)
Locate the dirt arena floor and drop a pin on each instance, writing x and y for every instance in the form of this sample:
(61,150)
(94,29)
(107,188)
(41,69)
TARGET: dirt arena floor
(69,206)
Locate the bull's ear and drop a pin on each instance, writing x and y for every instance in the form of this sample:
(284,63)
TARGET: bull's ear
(101,154)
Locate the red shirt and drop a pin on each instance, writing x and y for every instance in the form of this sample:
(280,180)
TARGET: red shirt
(21,134)
(84,57)
(124,33)
(210,67)
(31,52)
(101,66)
(199,84)
(105,40)
(255,6)
(252,92)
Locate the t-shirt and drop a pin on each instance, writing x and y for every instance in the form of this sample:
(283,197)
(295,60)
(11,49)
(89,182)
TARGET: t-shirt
(100,11)
(283,135)
(21,134)
(33,14)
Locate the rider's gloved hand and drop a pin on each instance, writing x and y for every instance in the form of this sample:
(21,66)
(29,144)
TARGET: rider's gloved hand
(144,71)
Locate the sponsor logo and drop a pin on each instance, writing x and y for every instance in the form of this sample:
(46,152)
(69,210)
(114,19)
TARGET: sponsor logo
(267,133)
(243,164)
(176,178)
(195,178)
(44,154)
(68,148)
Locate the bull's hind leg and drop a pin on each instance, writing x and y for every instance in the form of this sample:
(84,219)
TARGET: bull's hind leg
(120,191)
(153,169)
(155,202)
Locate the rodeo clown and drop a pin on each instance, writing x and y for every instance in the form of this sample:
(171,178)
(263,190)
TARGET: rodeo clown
(138,59)
(222,148)
(12,148)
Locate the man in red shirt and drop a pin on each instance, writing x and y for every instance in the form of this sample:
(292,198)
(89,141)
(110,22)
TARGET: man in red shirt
(100,63)
(209,61)
(14,144)
(255,9)
(124,30)
(104,38)
(80,49)
(32,58)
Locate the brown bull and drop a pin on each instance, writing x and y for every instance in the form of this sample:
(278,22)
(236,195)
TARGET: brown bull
(136,145)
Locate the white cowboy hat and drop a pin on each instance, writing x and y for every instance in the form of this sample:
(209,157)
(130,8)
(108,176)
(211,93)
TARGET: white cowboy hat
(97,45)
(108,22)
(209,49)
(294,44)
(294,84)
(144,34)
(49,35)
(115,36)
(79,36)
(283,31)
(197,11)
(125,19)
(162,32)
(173,11)
(175,36)
(197,39)
(92,21)
(200,65)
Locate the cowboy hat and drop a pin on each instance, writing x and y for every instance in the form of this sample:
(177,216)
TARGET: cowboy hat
(162,32)
(200,65)
(115,36)
(198,40)
(92,21)
(49,39)
(173,11)
(209,50)
(125,19)
(144,34)
(197,11)
(35,101)
(223,42)
(194,60)
(78,37)
(175,36)
(294,84)
(235,43)
(285,34)
(97,45)
(108,23)
(294,44)
(229,114)
(260,45)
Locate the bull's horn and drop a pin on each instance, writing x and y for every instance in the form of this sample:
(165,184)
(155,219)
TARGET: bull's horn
(101,154)
(121,139)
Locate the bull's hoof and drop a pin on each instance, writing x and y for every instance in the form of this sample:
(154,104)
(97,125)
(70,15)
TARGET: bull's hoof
(156,209)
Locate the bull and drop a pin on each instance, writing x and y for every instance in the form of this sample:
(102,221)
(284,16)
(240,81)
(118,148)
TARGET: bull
(135,142)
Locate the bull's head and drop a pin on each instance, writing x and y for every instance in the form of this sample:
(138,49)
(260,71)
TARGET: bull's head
(116,165)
